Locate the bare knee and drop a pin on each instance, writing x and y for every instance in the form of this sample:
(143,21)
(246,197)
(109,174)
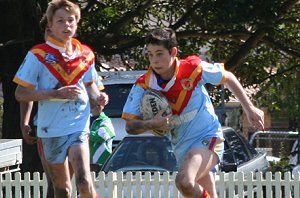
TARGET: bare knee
(60,189)
(62,192)
(184,184)
(84,185)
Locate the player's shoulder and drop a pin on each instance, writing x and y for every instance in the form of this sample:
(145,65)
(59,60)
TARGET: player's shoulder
(39,46)
(192,57)
(86,47)
(192,60)
(141,79)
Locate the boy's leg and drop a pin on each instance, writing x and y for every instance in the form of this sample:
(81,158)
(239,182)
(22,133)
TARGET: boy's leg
(208,183)
(53,152)
(196,167)
(80,160)
(61,179)
(50,190)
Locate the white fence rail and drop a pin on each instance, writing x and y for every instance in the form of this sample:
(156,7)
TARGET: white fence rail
(138,185)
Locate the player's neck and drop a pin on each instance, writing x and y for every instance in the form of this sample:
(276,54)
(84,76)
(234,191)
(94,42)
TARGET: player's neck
(69,48)
(166,76)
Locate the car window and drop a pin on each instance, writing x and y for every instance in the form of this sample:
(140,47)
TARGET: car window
(123,154)
(146,151)
(117,94)
(237,146)
(252,150)
(228,157)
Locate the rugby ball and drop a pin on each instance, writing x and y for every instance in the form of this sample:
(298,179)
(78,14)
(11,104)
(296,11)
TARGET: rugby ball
(152,102)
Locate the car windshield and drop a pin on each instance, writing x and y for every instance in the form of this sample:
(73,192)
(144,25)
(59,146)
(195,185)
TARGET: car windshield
(142,154)
(117,94)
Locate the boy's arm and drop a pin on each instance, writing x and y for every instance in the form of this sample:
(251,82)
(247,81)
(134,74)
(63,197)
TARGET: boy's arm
(136,127)
(158,122)
(255,115)
(97,99)
(26,94)
(25,112)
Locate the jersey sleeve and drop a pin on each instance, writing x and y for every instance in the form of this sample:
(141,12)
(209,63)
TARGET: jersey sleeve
(131,108)
(91,74)
(27,74)
(99,83)
(213,73)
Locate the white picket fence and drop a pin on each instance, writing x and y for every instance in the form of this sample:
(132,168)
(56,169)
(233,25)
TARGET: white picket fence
(138,185)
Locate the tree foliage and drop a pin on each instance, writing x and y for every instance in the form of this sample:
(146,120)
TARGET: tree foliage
(257,40)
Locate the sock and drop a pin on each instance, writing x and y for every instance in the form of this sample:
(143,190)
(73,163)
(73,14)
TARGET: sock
(205,194)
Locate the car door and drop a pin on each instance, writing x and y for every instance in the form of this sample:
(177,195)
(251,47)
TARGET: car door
(239,151)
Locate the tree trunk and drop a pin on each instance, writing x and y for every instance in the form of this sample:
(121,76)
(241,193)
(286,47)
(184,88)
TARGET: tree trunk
(19,32)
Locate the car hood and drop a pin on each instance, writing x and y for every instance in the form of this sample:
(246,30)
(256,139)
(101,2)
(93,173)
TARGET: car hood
(257,164)
(142,168)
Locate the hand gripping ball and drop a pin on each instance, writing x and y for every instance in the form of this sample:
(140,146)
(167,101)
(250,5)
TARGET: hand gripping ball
(152,102)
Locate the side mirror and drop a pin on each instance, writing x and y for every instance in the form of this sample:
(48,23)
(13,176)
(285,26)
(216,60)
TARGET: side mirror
(228,167)
(95,167)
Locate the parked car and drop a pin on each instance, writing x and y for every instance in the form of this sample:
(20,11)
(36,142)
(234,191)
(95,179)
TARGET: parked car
(293,159)
(239,154)
(118,85)
(146,152)
(238,151)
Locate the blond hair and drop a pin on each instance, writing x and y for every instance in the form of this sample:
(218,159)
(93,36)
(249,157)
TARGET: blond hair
(70,7)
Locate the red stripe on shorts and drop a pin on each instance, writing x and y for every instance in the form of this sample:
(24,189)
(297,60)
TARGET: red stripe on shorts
(40,148)
(212,143)
(205,194)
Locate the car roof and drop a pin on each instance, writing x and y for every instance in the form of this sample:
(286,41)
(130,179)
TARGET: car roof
(145,134)
(120,77)
(225,129)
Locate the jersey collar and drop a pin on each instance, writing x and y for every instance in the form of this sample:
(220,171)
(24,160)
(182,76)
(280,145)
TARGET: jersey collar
(61,47)
(153,78)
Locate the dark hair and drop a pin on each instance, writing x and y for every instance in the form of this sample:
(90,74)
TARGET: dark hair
(162,36)
(43,23)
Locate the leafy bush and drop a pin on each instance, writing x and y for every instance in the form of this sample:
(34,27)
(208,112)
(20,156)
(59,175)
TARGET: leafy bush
(283,164)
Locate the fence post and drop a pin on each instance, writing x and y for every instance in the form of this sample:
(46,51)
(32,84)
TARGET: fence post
(129,184)
(278,184)
(250,180)
(157,184)
(138,180)
(269,185)
(296,184)
(18,185)
(241,179)
(101,184)
(147,185)
(27,190)
(114,185)
(166,184)
(287,184)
